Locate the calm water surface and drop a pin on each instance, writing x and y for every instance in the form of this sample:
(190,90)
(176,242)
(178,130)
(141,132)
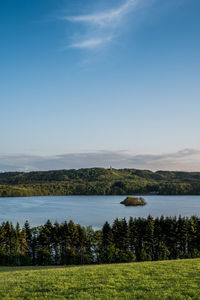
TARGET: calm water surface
(92,210)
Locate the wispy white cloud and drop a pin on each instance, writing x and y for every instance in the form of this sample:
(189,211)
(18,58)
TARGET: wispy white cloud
(184,160)
(100,27)
(106,18)
(91,43)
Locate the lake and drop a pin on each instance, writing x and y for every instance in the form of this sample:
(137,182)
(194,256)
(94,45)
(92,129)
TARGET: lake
(92,210)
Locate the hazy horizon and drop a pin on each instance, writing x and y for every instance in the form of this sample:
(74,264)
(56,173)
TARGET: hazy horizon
(184,160)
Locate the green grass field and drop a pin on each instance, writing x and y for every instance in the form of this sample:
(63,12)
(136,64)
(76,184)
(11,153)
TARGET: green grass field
(148,280)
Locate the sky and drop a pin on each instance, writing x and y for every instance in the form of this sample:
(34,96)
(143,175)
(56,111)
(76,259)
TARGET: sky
(96,83)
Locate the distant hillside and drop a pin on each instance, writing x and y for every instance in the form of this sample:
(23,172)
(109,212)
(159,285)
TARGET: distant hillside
(99,181)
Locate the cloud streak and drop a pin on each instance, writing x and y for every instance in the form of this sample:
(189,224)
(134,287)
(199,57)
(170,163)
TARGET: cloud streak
(100,27)
(91,43)
(184,160)
(105,18)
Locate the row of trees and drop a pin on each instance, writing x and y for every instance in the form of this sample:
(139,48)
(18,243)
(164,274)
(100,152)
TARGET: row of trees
(96,174)
(98,181)
(126,187)
(139,239)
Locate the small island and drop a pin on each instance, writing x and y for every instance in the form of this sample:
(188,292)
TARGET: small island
(134,201)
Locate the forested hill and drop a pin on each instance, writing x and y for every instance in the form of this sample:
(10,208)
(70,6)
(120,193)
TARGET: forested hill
(99,181)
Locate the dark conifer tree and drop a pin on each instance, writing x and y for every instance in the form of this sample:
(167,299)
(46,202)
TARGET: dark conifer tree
(29,240)
(91,244)
(139,241)
(81,245)
(132,234)
(3,253)
(148,236)
(161,252)
(193,242)
(107,236)
(64,242)
(107,243)
(44,252)
(56,242)
(182,237)
(72,243)
(9,243)
(170,230)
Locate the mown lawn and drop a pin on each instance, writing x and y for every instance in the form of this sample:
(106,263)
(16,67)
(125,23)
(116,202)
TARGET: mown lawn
(149,280)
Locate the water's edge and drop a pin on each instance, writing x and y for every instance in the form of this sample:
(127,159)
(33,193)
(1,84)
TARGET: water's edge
(92,210)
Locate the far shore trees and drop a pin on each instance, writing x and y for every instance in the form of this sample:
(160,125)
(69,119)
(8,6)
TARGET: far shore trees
(99,181)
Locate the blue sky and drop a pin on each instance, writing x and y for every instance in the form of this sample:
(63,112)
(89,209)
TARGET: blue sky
(104,81)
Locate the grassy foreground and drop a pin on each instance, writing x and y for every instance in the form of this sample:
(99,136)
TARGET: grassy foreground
(148,280)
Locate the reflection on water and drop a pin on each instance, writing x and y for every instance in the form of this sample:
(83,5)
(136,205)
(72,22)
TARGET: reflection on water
(92,210)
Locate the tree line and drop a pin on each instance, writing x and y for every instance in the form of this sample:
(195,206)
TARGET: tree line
(67,243)
(126,187)
(98,181)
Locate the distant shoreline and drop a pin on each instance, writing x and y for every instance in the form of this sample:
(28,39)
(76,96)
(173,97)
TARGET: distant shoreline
(99,181)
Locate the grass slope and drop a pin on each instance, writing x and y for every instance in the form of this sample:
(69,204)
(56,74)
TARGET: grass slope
(148,280)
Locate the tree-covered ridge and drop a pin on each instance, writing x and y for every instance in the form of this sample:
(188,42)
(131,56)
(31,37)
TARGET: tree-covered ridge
(139,239)
(99,181)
